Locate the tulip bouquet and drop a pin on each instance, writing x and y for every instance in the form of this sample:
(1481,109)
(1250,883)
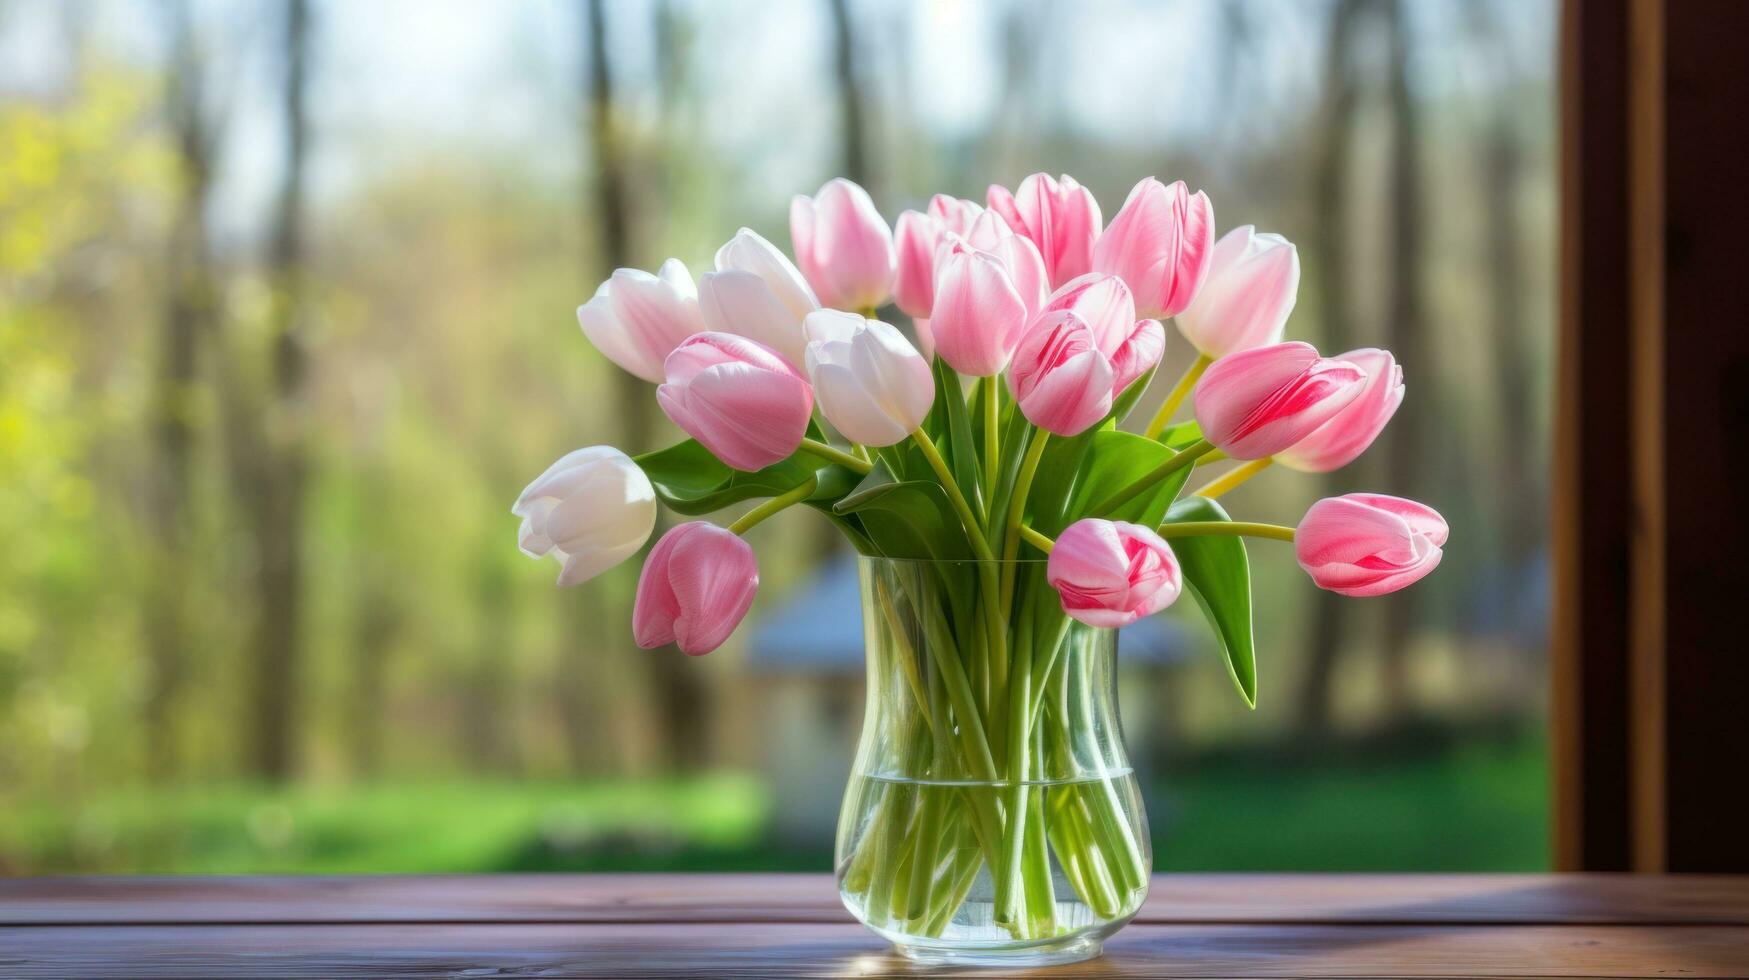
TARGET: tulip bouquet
(984,451)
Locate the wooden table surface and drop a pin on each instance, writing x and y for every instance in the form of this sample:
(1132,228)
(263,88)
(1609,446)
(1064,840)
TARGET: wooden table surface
(792,926)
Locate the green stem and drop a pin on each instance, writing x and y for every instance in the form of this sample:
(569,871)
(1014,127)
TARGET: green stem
(1237,475)
(1036,539)
(1186,382)
(1017,509)
(814,447)
(1249,529)
(954,496)
(1008,877)
(1154,476)
(992,442)
(775,504)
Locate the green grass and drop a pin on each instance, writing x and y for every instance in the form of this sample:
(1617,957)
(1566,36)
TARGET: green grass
(1465,808)
(395,828)
(1472,808)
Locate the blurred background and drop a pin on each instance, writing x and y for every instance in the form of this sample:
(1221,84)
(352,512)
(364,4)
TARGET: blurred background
(286,322)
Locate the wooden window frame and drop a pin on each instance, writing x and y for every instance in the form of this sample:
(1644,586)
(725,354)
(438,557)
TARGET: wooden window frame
(1650,647)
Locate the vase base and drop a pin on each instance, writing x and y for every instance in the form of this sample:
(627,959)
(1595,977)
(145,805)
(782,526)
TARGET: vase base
(1073,949)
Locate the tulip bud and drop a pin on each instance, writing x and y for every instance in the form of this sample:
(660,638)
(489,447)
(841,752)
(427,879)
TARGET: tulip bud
(1341,440)
(1367,544)
(1104,303)
(1252,283)
(1059,378)
(917,240)
(979,316)
(872,384)
(738,398)
(1159,243)
(757,293)
(637,319)
(1111,573)
(843,246)
(591,510)
(1060,217)
(1018,255)
(1259,402)
(697,584)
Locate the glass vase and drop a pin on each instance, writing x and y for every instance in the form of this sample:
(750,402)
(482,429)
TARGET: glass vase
(992,816)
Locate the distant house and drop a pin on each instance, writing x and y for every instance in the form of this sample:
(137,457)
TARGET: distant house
(808,655)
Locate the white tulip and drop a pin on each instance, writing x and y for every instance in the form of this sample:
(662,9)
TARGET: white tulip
(757,292)
(591,510)
(869,381)
(637,319)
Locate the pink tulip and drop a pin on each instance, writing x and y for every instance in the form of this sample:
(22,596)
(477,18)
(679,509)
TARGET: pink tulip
(1058,377)
(1259,402)
(914,241)
(1110,573)
(637,319)
(1018,255)
(738,398)
(979,316)
(1367,544)
(1060,217)
(1341,440)
(1252,283)
(843,245)
(696,586)
(1159,243)
(1139,353)
(1104,303)
(917,239)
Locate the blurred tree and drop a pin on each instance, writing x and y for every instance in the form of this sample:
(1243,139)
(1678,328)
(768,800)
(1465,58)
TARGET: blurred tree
(679,699)
(1522,486)
(1336,313)
(1410,438)
(269,436)
(187,323)
(852,110)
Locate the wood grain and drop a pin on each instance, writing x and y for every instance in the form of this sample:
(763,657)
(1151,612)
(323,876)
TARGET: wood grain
(1173,899)
(792,926)
(822,950)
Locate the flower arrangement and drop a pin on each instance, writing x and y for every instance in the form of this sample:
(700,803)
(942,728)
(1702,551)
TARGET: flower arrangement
(986,441)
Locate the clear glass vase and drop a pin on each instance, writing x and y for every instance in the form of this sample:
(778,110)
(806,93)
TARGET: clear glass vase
(992,817)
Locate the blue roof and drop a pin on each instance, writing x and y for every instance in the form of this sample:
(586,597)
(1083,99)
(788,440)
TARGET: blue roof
(819,629)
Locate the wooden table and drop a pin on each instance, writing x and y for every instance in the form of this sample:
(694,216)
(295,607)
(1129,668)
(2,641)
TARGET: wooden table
(793,926)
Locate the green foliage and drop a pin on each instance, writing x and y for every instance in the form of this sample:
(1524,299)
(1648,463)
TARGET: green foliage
(909,519)
(1218,575)
(1116,459)
(690,481)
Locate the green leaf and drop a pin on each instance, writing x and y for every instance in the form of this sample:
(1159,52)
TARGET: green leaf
(1114,460)
(1055,480)
(959,447)
(1219,577)
(1181,435)
(910,519)
(689,480)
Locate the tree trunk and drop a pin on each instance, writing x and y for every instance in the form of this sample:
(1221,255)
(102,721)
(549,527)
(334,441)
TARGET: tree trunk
(851,109)
(1406,335)
(1336,312)
(187,317)
(677,691)
(279,489)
